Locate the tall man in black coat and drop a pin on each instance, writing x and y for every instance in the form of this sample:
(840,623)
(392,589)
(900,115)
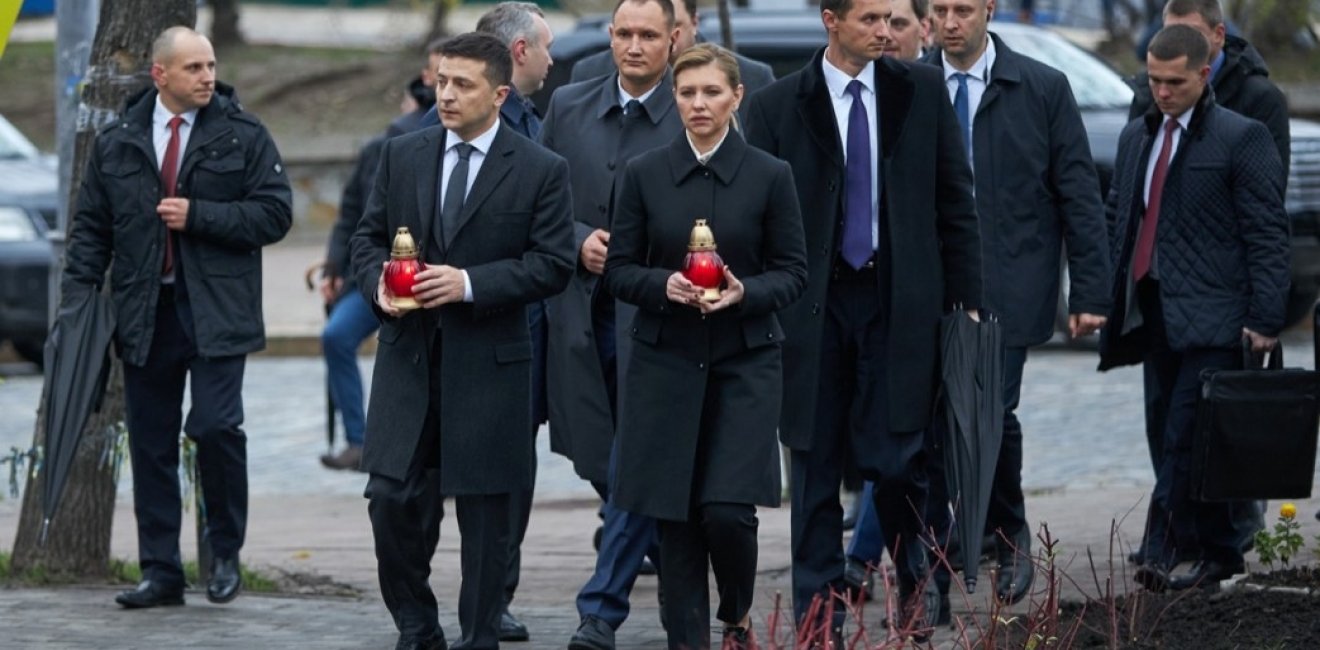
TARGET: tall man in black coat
(449,403)
(892,244)
(1241,83)
(1199,242)
(181,193)
(598,125)
(1036,187)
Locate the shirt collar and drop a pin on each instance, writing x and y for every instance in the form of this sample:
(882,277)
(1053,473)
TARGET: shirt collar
(624,97)
(1217,65)
(980,69)
(480,143)
(704,158)
(161,116)
(837,80)
(1184,120)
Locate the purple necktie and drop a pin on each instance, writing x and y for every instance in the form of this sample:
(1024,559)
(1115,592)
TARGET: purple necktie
(856,247)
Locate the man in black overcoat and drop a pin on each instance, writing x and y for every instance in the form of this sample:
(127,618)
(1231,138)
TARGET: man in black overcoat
(1200,249)
(1036,187)
(449,409)
(892,244)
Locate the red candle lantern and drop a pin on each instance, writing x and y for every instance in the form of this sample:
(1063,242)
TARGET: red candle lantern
(402,270)
(703,266)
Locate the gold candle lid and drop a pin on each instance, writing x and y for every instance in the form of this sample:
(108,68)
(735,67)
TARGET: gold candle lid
(404,246)
(701,239)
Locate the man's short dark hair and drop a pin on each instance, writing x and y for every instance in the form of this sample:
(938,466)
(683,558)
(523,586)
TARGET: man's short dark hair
(839,8)
(1177,41)
(485,48)
(666,6)
(921,8)
(1209,10)
(691,6)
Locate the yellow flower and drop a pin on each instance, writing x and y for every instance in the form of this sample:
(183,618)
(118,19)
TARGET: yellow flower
(1287,511)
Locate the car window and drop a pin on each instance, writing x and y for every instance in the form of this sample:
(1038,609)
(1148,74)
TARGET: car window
(15,225)
(13,144)
(1094,84)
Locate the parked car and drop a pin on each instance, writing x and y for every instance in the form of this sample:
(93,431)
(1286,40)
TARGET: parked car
(786,40)
(28,186)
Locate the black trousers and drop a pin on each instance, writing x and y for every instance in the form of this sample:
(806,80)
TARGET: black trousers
(153,394)
(853,424)
(719,537)
(405,522)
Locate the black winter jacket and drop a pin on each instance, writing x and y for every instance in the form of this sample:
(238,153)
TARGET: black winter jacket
(1222,246)
(240,200)
(1242,86)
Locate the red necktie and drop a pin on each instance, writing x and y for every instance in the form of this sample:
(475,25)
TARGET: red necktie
(169,171)
(1146,240)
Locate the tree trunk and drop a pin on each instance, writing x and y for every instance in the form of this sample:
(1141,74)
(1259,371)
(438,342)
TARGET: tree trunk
(224,24)
(439,22)
(78,540)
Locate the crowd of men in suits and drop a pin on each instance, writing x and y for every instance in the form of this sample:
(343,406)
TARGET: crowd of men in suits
(960,180)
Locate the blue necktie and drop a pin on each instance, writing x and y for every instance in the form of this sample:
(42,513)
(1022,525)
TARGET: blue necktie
(960,102)
(856,246)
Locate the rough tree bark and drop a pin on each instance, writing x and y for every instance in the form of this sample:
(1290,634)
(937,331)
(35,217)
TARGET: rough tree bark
(78,542)
(224,24)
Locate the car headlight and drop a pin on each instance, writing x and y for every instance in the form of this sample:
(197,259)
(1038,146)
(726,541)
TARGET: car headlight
(16,225)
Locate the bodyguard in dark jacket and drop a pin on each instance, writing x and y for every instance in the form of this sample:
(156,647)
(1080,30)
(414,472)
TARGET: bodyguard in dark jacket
(181,193)
(1036,188)
(1199,243)
(1238,74)
(862,343)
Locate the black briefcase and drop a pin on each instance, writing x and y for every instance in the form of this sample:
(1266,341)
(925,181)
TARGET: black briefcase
(1256,431)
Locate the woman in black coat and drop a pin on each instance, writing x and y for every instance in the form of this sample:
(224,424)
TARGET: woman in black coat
(699,405)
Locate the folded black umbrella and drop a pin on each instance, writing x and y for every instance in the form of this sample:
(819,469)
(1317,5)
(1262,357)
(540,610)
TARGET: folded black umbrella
(973,377)
(77,363)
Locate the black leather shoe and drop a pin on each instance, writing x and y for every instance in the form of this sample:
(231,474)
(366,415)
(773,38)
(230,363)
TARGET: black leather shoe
(592,634)
(857,579)
(226,580)
(738,638)
(1153,576)
(1206,575)
(1016,570)
(150,593)
(920,612)
(512,629)
(434,642)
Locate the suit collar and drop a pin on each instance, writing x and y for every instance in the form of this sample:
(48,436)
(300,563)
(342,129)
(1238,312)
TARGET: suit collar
(817,109)
(724,164)
(428,150)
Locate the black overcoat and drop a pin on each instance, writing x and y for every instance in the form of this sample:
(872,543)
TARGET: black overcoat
(702,394)
(515,241)
(1036,187)
(934,241)
(585,125)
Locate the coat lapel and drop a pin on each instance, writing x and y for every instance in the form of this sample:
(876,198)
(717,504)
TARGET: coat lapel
(496,165)
(894,91)
(429,150)
(817,111)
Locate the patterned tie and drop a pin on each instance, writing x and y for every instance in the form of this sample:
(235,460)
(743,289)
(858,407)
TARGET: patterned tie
(455,191)
(960,106)
(856,246)
(169,173)
(1146,240)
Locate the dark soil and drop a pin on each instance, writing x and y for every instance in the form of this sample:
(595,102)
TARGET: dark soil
(1196,620)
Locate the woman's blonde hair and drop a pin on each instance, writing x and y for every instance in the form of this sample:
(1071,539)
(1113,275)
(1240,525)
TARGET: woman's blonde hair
(704,54)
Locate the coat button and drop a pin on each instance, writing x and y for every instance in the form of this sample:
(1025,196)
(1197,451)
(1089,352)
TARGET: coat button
(601,208)
(634,330)
(701,366)
(831,186)
(610,164)
(705,174)
(770,336)
(416,358)
(815,308)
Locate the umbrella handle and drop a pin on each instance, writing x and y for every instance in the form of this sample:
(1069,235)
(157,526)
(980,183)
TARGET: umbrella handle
(312,271)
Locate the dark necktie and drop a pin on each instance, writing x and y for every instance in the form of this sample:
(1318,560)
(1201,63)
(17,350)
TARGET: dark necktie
(455,191)
(960,106)
(169,173)
(633,109)
(856,247)
(1146,240)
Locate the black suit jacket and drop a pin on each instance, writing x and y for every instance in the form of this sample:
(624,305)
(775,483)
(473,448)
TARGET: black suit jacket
(514,239)
(934,255)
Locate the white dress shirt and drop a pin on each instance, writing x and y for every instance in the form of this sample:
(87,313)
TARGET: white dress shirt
(480,147)
(624,96)
(978,79)
(1158,146)
(837,81)
(160,140)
